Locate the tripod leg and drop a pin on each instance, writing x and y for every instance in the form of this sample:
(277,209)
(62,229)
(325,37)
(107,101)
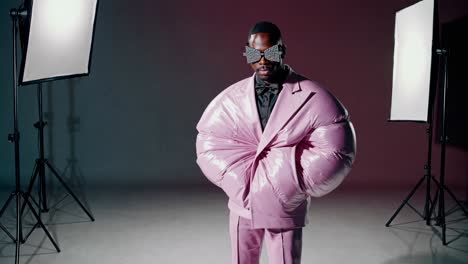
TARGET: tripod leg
(434,203)
(29,233)
(404,202)
(8,233)
(2,211)
(26,197)
(69,190)
(30,187)
(34,201)
(456,200)
(39,221)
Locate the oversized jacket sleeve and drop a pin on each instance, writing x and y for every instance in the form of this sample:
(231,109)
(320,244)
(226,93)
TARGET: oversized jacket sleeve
(325,156)
(219,151)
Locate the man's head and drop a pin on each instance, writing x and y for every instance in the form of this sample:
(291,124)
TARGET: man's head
(262,36)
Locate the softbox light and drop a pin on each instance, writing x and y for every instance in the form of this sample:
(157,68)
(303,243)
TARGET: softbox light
(412,62)
(58,41)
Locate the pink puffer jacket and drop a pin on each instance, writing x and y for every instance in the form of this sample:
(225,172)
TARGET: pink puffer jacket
(306,149)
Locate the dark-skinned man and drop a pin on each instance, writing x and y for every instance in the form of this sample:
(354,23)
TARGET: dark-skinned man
(271,142)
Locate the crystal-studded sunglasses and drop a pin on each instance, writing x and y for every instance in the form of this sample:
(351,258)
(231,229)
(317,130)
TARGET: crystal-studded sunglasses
(273,53)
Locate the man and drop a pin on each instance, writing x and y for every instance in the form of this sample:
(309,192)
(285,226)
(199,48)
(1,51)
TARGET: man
(271,141)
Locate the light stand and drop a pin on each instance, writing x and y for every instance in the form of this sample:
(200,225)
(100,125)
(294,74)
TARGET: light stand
(40,166)
(14,138)
(440,220)
(428,204)
(439,198)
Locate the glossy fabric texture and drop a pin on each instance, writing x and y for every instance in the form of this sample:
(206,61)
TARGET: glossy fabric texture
(284,246)
(306,149)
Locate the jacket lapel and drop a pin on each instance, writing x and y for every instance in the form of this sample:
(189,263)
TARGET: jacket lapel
(290,99)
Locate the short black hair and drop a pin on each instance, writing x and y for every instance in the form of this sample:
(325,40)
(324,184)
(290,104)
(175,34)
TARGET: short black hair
(266,27)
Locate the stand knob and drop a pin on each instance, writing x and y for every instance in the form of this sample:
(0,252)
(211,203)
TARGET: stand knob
(40,124)
(13,137)
(446,139)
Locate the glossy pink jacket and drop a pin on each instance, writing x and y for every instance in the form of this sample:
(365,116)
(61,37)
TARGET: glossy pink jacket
(306,149)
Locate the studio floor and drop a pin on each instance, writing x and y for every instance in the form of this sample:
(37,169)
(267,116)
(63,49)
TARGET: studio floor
(190,225)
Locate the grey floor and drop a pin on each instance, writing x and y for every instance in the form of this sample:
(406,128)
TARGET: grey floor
(190,225)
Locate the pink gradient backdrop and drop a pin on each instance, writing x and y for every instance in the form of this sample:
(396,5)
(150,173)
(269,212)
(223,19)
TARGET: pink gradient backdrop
(157,64)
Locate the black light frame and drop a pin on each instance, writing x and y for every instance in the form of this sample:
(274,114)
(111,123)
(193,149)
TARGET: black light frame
(28,4)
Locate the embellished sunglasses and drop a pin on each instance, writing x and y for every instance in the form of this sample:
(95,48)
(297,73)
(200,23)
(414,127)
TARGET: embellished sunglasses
(273,53)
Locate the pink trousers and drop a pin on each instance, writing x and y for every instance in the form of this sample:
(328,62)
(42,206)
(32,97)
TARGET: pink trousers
(283,245)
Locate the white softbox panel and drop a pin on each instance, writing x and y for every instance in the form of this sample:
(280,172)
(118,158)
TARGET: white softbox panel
(412,61)
(60,39)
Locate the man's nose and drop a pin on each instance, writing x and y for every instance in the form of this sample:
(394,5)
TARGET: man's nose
(263,60)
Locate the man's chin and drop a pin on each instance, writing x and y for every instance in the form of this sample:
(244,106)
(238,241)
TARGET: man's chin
(267,75)
(264,76)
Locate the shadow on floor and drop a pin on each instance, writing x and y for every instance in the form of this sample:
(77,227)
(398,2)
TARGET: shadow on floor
(424,259)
